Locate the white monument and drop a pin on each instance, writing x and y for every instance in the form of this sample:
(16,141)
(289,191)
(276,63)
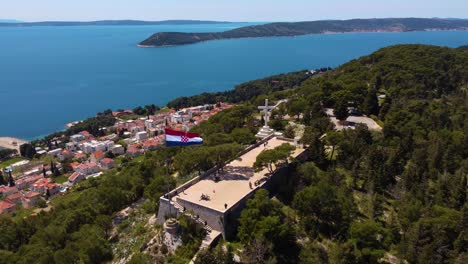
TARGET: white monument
(265,131)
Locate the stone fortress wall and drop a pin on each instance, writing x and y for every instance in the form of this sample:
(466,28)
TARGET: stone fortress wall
(224,221)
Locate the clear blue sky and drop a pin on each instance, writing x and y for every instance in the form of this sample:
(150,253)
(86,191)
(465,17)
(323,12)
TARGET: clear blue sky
(229,10)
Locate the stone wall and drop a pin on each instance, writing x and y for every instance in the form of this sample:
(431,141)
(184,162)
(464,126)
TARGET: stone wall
(165,210)
(214,218)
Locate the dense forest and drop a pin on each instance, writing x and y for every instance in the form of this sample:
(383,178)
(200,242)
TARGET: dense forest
(391,196)
(308,27)
(247,91)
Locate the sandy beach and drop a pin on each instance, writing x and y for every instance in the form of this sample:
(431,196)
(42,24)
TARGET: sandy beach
(9,143)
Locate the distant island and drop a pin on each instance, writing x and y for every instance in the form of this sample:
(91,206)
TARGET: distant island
(11,23)
(311,27)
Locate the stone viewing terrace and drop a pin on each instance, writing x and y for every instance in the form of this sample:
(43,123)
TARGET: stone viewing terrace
(231,184)
(216,198)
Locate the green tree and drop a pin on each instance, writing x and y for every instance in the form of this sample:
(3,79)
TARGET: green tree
(371,102)
(140,258)
(215,256)
(341,110)
(277,156)
(313,253)
(27,150)
(289,132)
(370,240)
(325,208)
(296,107)
(243,136)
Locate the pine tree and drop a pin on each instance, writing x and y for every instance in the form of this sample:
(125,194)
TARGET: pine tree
(2,180)
(341,110)
(371,102)
(11,181)
(52,167)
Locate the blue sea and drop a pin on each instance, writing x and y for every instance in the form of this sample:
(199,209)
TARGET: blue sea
(50,76)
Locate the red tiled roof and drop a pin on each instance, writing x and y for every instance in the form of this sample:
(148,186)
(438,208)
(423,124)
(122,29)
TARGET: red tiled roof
(132,149)
(42,182)
(98,154)
(80,155)
(31,194)
(85,133)
(5,204)
(5,189)
(150,142)
(14,196)
(107,160)
(32,178)
(74,176)
(51,186)
(82,166)
(74,165)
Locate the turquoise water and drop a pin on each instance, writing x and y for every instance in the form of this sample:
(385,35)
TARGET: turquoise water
(50,76)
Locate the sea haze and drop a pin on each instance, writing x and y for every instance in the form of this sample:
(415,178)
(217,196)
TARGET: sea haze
(54,75)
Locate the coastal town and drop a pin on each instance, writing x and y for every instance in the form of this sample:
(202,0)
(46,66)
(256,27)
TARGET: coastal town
(32,183)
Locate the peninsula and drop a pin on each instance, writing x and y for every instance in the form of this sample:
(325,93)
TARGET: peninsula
(310,27)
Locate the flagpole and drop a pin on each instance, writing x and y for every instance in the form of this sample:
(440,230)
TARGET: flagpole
(167,181)
(177,138)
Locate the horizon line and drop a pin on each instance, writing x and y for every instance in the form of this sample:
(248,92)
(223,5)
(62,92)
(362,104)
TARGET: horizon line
(13,21)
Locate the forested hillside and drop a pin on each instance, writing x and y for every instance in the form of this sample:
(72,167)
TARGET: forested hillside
(246,91)
(391,196)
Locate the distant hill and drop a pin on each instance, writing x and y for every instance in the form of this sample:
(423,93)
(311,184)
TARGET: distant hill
(464,47)
(107,23)
(9,21)
(312,27)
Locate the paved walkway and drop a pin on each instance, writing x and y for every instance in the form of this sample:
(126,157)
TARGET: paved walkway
(233,182)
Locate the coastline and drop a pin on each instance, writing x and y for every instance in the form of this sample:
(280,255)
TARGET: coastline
(8,143)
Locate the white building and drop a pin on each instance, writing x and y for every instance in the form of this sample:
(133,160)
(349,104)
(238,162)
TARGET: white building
(140,136)
(87,168)
(71,146)
(118,150)
(93,146)
(54,152)
(149,123)
(129,141)
(77,138)
(177,118)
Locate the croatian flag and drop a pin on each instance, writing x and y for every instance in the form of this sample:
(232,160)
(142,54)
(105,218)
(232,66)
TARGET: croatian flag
(178,138)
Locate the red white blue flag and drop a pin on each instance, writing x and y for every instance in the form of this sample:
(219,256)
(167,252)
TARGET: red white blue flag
(176,138)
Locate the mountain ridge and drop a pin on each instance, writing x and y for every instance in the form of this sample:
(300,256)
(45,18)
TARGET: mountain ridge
(109,23)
